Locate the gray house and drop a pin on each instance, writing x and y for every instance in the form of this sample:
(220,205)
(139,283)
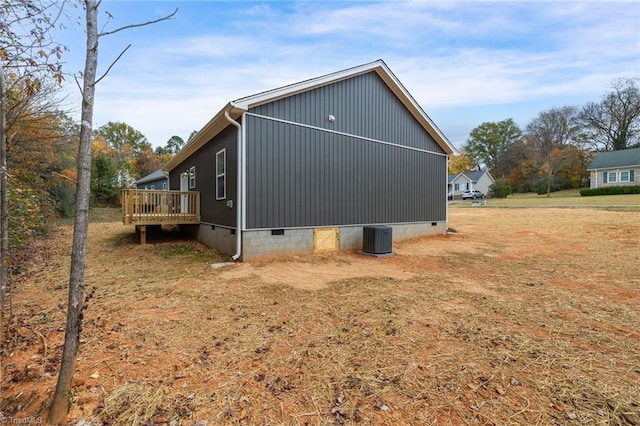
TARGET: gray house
(615,168)
(460,182)
(156,180)
(305,167)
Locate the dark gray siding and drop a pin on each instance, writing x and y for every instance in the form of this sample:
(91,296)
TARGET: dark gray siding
(212,210)
(363,105)
(300,177)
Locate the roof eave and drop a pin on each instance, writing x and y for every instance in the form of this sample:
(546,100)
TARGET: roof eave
(204,135)
(237,107)
(617,166)
(383,71)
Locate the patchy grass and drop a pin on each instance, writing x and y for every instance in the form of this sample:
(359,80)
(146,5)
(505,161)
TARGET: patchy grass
(566,198)
(525,316)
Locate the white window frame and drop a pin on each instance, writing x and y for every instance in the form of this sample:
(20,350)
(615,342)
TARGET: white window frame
(221,175)
(462,186)
(164,186)
(612,177)
(628,173)
(192,177)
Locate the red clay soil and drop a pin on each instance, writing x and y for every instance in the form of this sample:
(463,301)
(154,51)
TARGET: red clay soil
(523,316)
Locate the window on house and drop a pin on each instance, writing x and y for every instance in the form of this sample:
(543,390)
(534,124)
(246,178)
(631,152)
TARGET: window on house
(461,186)
(612,177)
(221,169)
(192,177)
(152,187)
(624,176)
(164,185)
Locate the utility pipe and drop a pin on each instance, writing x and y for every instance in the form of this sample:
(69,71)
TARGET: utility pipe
(238,186)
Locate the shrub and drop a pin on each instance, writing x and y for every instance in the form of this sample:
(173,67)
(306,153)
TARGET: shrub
(500,188)
(611,190)
(27,216)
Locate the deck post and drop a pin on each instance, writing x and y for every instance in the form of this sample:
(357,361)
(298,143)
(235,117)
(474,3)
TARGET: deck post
(142,229)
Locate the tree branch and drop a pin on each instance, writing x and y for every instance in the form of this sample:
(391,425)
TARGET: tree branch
(104,33)
(112,64)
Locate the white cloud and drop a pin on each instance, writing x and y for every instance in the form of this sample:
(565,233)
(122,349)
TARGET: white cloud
(450,56)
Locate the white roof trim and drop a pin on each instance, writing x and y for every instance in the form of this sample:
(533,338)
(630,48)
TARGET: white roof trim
(235,108)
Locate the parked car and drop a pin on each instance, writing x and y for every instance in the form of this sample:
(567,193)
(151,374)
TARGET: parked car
(472,194)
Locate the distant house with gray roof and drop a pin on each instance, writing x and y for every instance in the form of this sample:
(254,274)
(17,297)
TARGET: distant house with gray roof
(615,168)
(460,182)
(156,180)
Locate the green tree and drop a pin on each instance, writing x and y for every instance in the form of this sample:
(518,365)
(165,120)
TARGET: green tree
(489,143)
(614,122)
(104,180)
(127,143)
(174,144)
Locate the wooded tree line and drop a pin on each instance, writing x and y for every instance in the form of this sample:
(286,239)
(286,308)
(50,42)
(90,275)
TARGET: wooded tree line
(553,151)
(41,150)
(38,142)
(45,155)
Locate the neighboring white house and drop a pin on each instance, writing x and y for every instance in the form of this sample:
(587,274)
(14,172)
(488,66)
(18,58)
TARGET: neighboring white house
(468,181)
(615,168)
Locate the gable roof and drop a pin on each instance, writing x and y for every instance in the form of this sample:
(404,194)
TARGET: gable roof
(234,109)
(621,158)
(157,175)
(472,176)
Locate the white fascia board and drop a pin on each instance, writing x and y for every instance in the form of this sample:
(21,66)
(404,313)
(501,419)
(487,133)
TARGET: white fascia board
(237,107)
(204,135)
(381,68)
(303,86)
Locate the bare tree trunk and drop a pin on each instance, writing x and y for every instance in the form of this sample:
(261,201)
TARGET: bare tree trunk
(60,404)
(4,195)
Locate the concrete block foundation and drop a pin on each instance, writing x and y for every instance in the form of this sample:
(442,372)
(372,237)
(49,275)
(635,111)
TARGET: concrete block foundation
(269,243)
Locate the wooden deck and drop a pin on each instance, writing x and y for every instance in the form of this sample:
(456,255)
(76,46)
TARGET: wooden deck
(141,207)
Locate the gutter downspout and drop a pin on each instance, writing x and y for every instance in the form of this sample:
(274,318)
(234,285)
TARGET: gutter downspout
(236,256)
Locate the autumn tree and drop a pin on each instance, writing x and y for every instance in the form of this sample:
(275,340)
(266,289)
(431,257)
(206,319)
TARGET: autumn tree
(146,161)
(523,170)
(614,122)
(127,143)
(28,55)
(462,163)
(489,143)
(550,135)
(76,302)
(567,160)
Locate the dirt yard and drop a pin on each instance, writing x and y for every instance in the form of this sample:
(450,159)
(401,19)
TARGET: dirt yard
(524,316)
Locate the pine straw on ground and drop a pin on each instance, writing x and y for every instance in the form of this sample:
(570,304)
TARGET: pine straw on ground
(522,317)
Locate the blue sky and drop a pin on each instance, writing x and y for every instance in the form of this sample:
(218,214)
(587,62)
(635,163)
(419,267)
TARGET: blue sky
(465,62)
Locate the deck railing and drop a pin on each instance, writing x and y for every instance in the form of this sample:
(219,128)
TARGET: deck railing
(150,207)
